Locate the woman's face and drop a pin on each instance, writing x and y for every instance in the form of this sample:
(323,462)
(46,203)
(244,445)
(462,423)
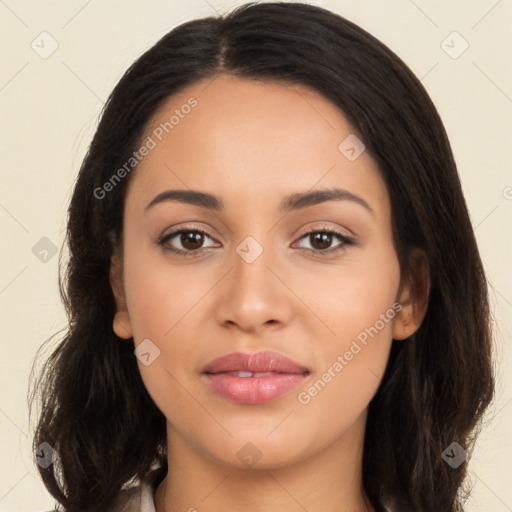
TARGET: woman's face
(271,265)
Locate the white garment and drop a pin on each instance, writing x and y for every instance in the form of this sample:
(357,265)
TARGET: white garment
(136,499)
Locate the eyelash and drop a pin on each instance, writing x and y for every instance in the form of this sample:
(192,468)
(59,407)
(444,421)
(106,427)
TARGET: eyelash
(346,241)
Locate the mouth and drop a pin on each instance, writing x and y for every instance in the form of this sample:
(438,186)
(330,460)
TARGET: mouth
(254,378)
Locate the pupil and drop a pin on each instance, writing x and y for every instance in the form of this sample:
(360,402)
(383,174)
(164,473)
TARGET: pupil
(192,240)
(323,238)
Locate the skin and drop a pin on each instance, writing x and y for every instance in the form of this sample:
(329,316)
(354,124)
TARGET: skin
(252,143)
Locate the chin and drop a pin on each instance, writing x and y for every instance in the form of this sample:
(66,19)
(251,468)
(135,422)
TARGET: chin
(256,451)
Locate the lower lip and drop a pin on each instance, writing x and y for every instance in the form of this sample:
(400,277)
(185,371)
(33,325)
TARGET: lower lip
(253,390)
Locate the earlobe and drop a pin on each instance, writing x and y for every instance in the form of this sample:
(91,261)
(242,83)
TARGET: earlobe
(413,297)
(404,327)
(121,324)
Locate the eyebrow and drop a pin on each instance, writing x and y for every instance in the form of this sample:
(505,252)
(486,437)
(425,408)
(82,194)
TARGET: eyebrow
(292,202)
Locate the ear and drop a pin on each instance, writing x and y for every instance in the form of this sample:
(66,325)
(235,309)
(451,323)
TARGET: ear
(121,324)
(413,297)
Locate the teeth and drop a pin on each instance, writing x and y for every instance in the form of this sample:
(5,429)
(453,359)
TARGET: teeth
(242,374)
(251,374)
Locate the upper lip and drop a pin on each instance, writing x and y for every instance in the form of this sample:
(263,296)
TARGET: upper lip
(257,362)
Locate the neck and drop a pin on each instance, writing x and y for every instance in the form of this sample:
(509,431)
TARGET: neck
(331,481)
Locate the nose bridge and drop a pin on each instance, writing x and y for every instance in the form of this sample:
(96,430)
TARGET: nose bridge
(250,249)
(251,259)
(254,295)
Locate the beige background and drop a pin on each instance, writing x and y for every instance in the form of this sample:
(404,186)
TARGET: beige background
(49,109)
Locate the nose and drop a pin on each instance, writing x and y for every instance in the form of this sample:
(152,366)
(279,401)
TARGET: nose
(254,295)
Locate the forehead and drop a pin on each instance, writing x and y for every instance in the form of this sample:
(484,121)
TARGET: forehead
(242,138)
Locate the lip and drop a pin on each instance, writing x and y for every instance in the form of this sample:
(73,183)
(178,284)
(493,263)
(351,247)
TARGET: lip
(274,375)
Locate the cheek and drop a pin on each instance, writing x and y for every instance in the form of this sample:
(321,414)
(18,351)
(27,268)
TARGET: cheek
(357,301)
(360,309)
(351,365)
(163,302)
(159,295)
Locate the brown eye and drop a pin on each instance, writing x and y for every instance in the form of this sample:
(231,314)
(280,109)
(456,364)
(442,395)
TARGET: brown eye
(192,240)
(186,242)
(321,240)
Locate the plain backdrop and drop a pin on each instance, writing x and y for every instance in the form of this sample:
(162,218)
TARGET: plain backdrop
(49,106)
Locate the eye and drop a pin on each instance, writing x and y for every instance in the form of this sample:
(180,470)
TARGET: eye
(190,240)
(320,241)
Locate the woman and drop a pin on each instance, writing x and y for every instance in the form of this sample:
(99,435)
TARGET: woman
(275,296)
